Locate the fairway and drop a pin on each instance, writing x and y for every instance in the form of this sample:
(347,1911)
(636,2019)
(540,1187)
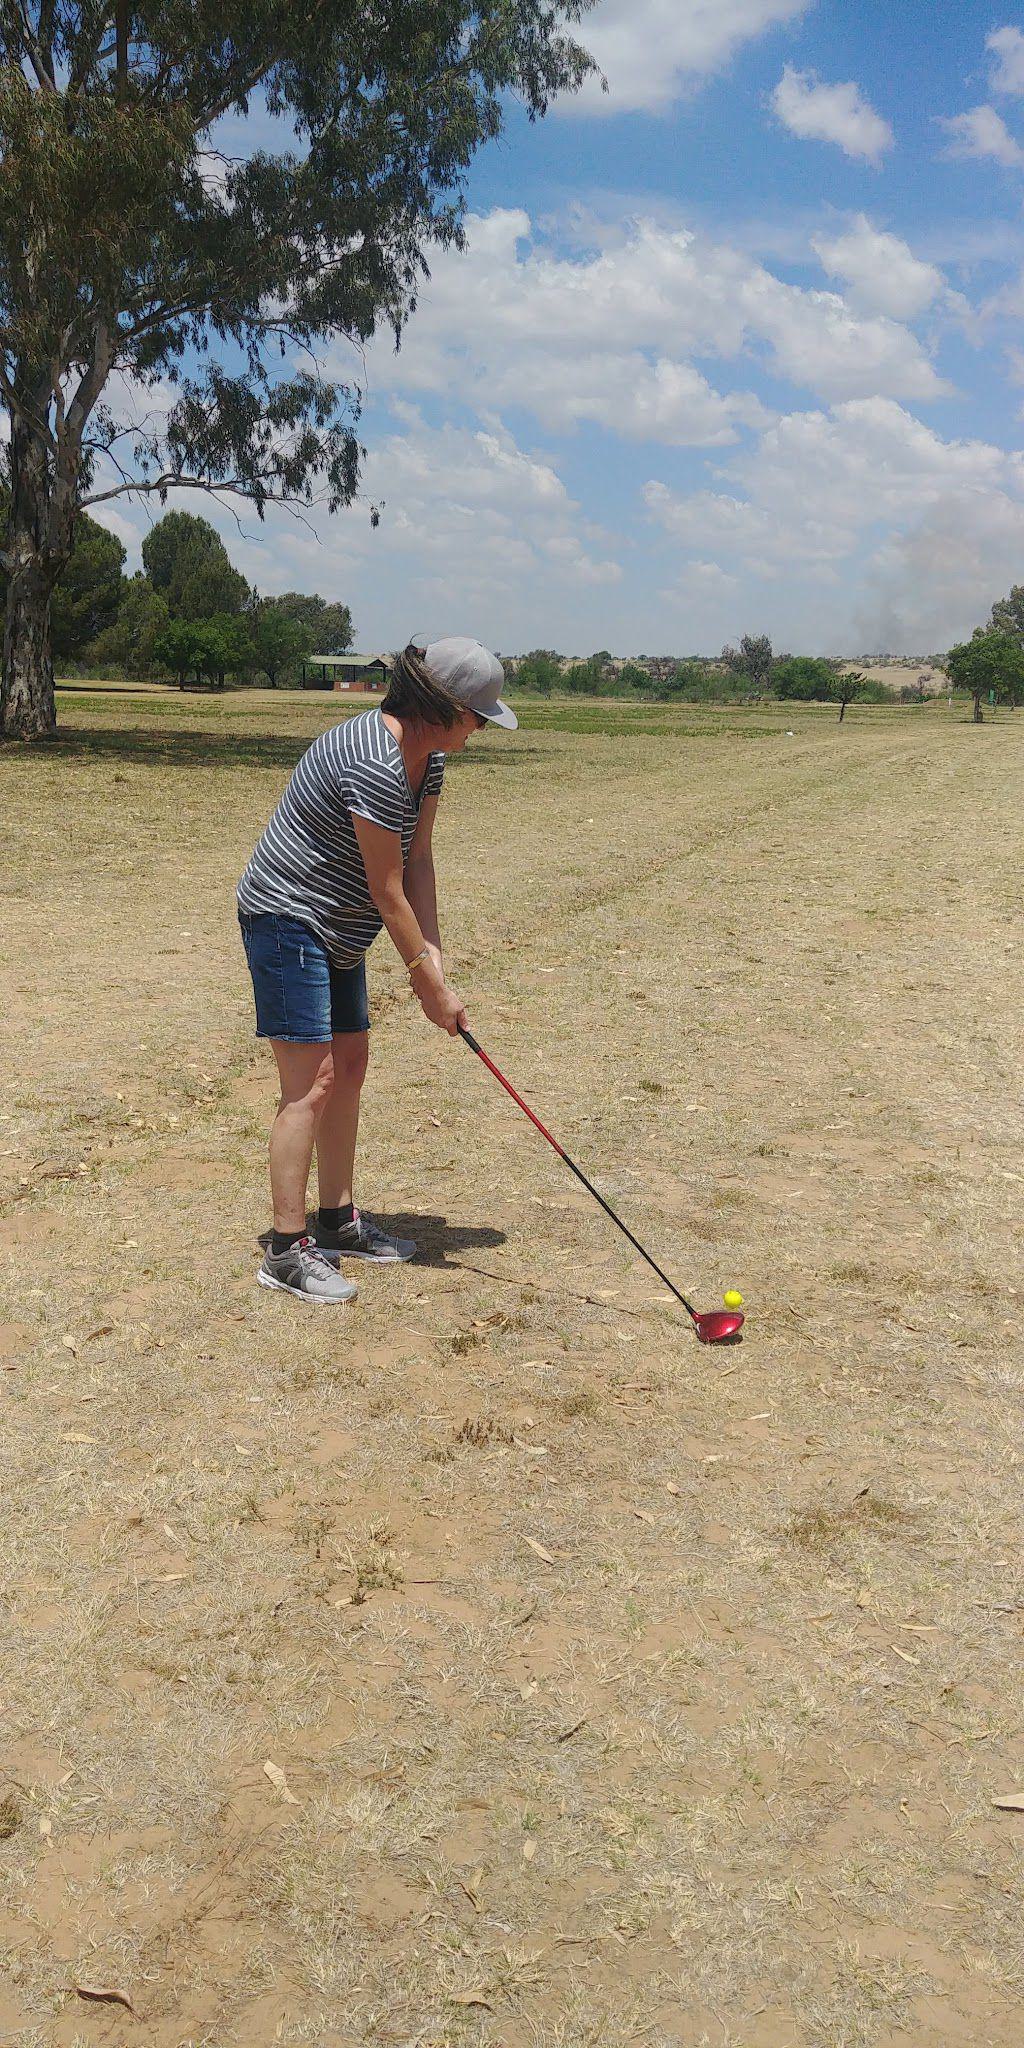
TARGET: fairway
(614,1690)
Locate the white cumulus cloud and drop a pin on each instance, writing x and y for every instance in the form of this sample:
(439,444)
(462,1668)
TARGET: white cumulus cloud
(474,528)
(908,536)
(1007,47)
(610,336)
(653,51)
(981,132)
(831,113)
(652,335)
(878,270)
(478,535)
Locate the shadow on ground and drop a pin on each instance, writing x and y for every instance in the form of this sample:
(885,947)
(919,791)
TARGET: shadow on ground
(153,745)
(150,746)
(437,1241)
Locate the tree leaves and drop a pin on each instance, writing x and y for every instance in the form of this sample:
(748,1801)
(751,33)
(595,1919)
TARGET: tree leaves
(120,254)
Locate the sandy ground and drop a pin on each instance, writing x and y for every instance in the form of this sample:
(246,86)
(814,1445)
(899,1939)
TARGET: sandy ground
(613,1691)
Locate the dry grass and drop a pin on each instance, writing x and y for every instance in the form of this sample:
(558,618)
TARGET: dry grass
(624,1692)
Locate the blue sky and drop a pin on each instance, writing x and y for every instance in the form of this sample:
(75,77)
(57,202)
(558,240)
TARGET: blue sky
(737,347)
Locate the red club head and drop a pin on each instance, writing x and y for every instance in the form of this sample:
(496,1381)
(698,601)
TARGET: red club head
(716,1325)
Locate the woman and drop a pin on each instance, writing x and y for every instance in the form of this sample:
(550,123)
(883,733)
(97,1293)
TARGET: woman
(347,851)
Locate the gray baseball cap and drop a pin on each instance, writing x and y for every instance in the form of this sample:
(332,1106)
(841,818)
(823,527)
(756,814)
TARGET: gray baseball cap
(472,676)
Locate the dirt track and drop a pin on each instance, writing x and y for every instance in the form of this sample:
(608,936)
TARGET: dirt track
(626,1692)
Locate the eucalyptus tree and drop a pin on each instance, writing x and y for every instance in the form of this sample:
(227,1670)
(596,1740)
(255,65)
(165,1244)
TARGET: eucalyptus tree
(170,274)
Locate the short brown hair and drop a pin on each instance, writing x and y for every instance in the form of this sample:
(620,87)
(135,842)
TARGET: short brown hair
(412,692)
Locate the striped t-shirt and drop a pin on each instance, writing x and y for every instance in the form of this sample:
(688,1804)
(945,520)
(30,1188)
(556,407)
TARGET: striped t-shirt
(308,864)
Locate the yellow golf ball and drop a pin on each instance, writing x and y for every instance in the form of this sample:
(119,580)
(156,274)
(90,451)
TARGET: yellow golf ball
(733,1298)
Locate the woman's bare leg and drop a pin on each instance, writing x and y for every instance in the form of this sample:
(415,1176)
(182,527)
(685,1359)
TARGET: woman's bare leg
(338,1125)
(307,1083)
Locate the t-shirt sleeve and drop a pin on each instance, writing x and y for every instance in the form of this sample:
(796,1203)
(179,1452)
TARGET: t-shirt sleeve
(373,790)
(435,775)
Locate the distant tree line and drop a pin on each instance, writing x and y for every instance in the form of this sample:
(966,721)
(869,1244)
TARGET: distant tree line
(741,674)
(187,613)
(989,668)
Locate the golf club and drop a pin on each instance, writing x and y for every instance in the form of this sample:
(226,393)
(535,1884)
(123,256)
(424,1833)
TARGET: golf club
(713,1326)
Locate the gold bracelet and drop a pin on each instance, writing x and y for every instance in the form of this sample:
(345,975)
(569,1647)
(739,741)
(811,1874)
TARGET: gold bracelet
(419,958)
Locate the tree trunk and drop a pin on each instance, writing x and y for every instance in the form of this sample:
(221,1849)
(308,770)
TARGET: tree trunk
(842,711)
(979,715)
(27,709)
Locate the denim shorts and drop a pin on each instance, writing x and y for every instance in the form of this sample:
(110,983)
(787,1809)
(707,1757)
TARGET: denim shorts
(300,994)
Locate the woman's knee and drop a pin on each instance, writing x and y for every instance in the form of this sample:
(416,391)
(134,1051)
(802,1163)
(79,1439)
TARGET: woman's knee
(351,1056)
(307,1079)
(323,1083)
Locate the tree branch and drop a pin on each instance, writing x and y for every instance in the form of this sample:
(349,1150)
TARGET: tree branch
(240,88)
(24,31)
(235,90)
(37,425)
(103,444)
(89,51)
(47,14)
(172,479)
(121,30)
(159,80)
(94,378)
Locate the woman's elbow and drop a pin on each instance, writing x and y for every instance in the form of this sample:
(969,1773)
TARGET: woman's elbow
(390,898)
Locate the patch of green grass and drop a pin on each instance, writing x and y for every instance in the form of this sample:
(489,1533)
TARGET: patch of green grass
(306,712)
(616,719)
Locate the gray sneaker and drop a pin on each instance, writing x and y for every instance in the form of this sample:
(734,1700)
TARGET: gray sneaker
(304,1271)
(363,1239)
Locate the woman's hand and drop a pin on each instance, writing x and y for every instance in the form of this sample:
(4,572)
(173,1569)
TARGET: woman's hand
(439,1003)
